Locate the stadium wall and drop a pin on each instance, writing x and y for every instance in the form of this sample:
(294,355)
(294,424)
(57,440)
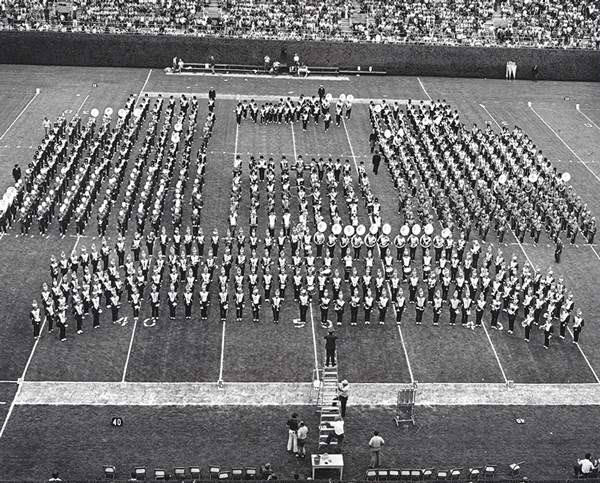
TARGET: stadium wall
(157,51)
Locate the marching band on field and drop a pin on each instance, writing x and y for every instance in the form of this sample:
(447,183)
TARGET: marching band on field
(341,266)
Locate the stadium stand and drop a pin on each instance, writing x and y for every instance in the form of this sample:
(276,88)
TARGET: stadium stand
(510,23)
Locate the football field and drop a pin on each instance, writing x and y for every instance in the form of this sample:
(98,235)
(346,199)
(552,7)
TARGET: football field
(193,391)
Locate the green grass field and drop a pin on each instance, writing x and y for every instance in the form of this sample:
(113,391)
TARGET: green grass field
(191,351)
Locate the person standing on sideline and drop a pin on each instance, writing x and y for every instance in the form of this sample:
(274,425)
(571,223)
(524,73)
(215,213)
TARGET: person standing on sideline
(375,444)
(302,435)
(212,63)
(535,72)
(321,93)
(343,396)
(47,125)
(330,347)
(267,62)
(293,425)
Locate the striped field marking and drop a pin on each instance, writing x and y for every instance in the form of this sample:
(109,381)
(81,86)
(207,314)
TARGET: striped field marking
(37,93)
(412,379)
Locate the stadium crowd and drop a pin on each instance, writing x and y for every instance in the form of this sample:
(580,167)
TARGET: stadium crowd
(565,23)
(313,241)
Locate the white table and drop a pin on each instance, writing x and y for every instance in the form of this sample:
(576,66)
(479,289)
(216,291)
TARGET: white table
(334,462)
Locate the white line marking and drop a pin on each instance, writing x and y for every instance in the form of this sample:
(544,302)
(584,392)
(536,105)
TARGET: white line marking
(595,252)
(567,146)
(312,321)
(578,346)
(491,117)
(495,353)
(584,356)
(412,379)
(143,87)
(314,334)
(37,92)
(578,110)
(222,362)
(9,382)
(129,351)
(222,354)
(423,87)
(86,98)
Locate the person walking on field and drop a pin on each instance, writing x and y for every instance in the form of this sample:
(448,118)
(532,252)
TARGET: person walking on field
(375,445)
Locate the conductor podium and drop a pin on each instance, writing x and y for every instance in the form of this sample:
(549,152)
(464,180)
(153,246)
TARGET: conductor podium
(405,408)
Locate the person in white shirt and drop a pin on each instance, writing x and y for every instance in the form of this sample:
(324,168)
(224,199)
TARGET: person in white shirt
(588,468)
(338,431)
(302,433)
(375,445)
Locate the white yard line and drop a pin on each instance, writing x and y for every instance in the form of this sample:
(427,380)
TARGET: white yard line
(495,353)
(222,358)
(79,109)
(220,380)
(312,321)
(563,141)
(129,351)
(143,87)
(423,87)
(489,114)
(412,379)
(596,125)
(37,92)
(586,359)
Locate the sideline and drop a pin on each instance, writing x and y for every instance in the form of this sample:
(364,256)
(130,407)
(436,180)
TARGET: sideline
(53,393)
(37,93)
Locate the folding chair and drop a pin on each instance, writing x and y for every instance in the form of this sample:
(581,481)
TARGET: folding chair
(489,472)
(475,473)
(371,475)
(427,473)
(196,472)
(159,474)
(383,474)
(250,473)
(455,473)
(442,475)
(179,472)
(237,473)
(110,472)
(224,475)
(394,474)
(515,469)
(140,473)
(213,472)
